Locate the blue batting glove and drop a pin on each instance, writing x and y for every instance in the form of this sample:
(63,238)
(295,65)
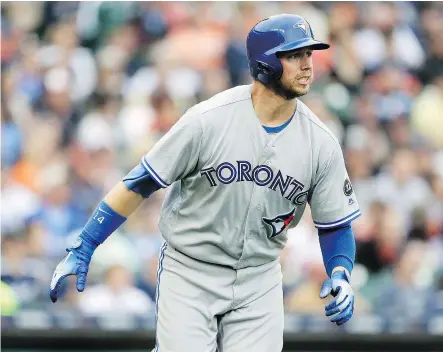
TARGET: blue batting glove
(75,263)
(341,308)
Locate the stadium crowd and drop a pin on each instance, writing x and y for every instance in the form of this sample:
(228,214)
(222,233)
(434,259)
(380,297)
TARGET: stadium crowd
(89,87)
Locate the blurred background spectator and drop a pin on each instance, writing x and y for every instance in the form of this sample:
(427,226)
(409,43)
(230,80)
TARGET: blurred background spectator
(117,295)
(89,87)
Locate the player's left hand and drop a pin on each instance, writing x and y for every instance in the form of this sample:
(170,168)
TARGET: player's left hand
(341,308)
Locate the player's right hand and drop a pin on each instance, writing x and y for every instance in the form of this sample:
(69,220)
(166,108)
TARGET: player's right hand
(75,263)
(341,308)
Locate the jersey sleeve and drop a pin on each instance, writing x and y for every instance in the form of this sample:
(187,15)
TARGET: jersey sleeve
(333,201)
(176,154)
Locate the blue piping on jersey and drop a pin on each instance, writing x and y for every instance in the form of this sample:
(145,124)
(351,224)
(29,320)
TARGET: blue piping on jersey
(278,128)
(154,175)
(346,219)
(157,295)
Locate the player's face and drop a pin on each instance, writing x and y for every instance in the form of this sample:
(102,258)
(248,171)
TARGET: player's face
(297,73)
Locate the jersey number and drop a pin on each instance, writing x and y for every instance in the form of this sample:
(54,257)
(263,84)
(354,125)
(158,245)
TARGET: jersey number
(100,219)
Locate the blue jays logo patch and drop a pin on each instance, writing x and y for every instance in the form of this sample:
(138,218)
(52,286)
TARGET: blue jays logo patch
(303,26)
(279,223)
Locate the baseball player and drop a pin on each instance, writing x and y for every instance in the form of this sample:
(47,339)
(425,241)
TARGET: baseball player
(240,169)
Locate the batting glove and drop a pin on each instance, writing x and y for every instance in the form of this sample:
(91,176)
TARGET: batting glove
(75,263)
(341,308)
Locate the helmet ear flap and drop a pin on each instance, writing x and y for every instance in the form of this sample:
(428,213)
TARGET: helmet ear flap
(265,72)
(263,78)
(265,68)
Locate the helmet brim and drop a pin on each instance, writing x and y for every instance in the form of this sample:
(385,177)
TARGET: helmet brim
(306,42)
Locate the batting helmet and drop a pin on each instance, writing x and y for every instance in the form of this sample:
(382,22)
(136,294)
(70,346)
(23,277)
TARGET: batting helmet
(273,35)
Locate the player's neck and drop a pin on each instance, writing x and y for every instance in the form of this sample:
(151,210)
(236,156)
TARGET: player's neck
(271,109)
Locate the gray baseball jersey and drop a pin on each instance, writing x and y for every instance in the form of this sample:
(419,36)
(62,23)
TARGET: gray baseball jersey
(235,189)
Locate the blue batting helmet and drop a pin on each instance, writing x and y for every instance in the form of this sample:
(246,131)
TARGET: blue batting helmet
(274,35)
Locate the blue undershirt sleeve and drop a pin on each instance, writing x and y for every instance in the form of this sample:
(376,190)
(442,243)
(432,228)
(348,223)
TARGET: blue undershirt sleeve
(139,180)
(338,247)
